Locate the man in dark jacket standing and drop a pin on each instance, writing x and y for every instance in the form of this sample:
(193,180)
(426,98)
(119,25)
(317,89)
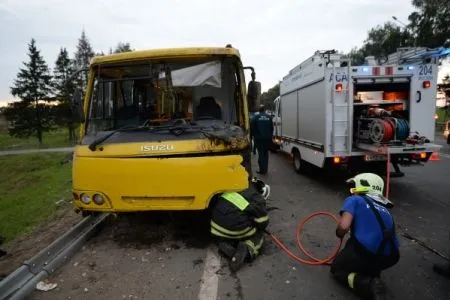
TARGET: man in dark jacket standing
(261,129)
(238,221)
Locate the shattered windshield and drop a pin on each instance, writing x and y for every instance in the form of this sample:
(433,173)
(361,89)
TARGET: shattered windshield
(149,94)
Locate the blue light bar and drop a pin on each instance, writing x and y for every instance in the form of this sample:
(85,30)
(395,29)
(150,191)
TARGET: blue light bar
(410,67)
(445,52)
(365,69)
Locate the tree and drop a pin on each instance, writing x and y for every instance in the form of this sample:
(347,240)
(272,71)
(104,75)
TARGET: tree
(380,42)
(123,47)
(356,56)
(83,57)
(32,115)
(268,97)
(429,26)
(384,40)
(431,22)
(63,90)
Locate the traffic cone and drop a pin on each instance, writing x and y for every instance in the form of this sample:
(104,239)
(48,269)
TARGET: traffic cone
(435,156)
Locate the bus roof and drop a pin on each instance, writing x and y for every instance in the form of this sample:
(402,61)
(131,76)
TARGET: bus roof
(164,53)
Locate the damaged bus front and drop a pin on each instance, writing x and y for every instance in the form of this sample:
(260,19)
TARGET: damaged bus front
(162,130)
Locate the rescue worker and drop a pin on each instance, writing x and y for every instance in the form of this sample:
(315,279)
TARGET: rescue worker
(238,221)
(373,244)
(262,130)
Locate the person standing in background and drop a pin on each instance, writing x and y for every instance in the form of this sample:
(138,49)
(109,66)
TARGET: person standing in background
(261,128)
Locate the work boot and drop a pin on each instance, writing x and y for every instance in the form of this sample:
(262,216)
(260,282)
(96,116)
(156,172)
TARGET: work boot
(227,249)
(442,269)
(378,289)
(238,259)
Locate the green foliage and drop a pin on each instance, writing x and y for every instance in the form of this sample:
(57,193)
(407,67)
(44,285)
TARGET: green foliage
(445,86)
(34,81)
(380,42)
(83,57)
(28,119)
(123,47)
(64,88)
(64,68)
(429,26)
(51,139)
(268,97)
(32,115)
(431,22)
(29,187)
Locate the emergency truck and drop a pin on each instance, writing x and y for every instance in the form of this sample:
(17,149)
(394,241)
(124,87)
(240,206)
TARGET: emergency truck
(330,113)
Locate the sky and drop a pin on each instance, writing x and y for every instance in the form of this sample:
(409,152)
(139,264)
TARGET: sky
(272,36)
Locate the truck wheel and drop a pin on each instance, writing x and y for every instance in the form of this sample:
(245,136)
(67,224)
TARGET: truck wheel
(297,161)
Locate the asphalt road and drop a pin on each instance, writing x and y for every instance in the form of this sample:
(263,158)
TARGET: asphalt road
(162,256)
(26,151)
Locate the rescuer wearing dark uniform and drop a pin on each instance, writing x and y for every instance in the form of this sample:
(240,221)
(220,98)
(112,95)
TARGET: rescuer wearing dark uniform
(262,130)
(373,244)
(238,221)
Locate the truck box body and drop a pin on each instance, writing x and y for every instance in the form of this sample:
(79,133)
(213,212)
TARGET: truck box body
(326,110)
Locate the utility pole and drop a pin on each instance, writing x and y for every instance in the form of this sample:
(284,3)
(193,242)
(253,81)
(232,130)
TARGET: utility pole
(405,27)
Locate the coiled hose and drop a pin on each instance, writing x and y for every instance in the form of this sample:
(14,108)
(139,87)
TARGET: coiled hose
(314,261)
(402,129)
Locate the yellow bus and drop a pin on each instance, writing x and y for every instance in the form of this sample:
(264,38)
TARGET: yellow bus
(163,129)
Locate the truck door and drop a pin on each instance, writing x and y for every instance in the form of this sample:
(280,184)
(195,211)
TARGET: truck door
(277,120)
(423,100)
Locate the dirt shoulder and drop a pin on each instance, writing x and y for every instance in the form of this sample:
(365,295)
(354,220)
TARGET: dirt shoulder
(28,245)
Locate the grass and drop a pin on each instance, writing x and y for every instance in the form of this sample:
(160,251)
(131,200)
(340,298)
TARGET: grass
(30,186)
(441,118)
(441,114)
(57,138)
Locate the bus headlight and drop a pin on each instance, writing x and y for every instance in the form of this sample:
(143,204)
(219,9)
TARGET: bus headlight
(98,199)
(85,198)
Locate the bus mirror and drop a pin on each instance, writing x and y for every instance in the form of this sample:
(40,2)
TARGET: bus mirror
(253,95)
(77,107)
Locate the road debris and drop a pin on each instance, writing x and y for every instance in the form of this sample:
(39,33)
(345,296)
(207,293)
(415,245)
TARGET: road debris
(45,286)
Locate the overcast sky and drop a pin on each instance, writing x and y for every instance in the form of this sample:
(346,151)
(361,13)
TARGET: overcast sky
(273,36)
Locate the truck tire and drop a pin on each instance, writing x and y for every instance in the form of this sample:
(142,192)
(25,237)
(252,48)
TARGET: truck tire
(298,162)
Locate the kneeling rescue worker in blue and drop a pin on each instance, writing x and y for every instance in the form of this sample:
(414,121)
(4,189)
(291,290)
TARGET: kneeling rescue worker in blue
(373,244)
(238,221)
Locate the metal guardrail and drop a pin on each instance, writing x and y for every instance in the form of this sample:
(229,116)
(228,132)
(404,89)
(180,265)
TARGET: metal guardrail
(22,281)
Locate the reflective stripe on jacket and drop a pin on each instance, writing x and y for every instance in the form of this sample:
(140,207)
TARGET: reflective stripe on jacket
(237,215)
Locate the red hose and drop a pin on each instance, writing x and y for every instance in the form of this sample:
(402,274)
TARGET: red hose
(388,172)
(314,261)
(389,131)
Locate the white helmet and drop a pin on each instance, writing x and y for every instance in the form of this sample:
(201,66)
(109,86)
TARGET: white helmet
(261,187)
(370,185)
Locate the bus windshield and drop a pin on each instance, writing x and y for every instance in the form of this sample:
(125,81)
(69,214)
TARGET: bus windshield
(153,94)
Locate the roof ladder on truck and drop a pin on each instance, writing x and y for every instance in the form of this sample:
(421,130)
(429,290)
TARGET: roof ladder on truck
(415,56)
(341,114)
